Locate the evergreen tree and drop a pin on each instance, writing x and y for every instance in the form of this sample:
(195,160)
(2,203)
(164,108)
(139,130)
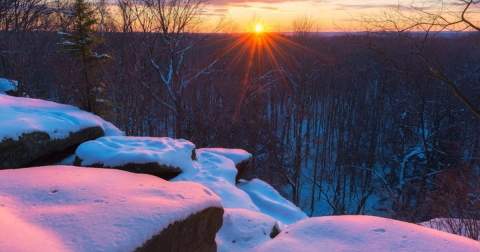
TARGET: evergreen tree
(80,43)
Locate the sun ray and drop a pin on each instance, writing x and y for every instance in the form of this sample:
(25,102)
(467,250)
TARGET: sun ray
(265,55)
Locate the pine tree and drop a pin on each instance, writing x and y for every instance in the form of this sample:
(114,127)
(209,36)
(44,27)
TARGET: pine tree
(80,42)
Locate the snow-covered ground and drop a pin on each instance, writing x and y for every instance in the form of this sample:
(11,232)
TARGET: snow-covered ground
(244,229)
(271,202)
(217,172)
(26,115)
(66,208)
(363,233)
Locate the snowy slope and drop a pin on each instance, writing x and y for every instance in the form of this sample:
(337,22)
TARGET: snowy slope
(218,173)
(363,233)
(65,208)
(270,202)
(26,115)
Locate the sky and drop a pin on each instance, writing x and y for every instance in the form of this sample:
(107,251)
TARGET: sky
(329,15)
(277,15)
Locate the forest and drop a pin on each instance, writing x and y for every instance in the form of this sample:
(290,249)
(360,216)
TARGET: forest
(383,122)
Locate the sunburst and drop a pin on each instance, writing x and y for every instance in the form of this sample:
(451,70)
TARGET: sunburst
(262,51)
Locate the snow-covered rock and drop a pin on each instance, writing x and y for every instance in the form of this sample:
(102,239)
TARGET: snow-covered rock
(236,155)
(244,229)
(218,173)
(363,233)
(241,158)
(160,156)
(26,115)
(66,208)
(9,87)
(32,128)
(270,202)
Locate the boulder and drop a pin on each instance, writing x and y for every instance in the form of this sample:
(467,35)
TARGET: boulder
(163,157)
(151,168)
(195,234)
(243,167)
(38,148)
(33,131)
(68,208)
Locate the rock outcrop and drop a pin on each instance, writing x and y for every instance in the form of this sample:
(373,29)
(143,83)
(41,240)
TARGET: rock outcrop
(37,148)
(151,168)
(163,157)
(35,132)
(68,208)
(195,234)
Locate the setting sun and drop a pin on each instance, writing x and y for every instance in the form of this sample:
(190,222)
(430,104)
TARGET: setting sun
(258,28)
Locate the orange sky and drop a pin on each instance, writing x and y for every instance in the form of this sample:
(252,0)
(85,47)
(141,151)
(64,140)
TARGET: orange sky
(330,15)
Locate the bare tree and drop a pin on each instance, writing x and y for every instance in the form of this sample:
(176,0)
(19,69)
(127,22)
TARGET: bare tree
(177,27)
(419,26)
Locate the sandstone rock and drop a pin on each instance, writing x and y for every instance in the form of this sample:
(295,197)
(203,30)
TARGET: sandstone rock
(39,148)
(243,168)
(163,157)
(151,168)
(195,234)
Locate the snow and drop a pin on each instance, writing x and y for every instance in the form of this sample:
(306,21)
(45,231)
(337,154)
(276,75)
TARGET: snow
(121,150)
(101,56)
(65,208)
(60,33)
(67,161)
(209,169)
(270,202)
(244,229)
(236,155)
(363,233)
(8,85)
(26,115)
(66,43)
(218,173)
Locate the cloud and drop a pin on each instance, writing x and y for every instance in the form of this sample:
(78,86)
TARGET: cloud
(248,6)
(245,2)
(378,6)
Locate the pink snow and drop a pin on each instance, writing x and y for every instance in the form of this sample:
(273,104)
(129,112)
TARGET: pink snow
(65,208)
(363,233)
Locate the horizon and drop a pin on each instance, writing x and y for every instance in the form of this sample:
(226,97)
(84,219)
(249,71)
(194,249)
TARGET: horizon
(326,15)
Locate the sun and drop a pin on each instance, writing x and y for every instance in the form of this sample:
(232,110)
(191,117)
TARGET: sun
(258,28)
